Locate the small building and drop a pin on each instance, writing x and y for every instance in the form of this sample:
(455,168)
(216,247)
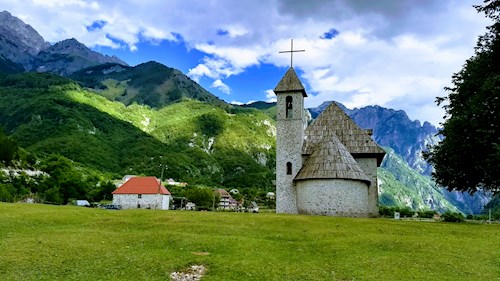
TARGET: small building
(271,196)
(190,206)
(254,208)
(82,203)
(126,178)
(171,181)
(142,193)
(226,201)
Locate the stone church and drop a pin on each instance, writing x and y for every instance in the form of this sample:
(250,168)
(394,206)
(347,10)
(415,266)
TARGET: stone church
(326,168)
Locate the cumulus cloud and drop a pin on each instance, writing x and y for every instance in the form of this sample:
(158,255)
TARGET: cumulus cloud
(270,96)
(218,84)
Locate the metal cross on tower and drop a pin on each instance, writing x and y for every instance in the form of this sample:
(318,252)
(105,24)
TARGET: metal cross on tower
(291,53)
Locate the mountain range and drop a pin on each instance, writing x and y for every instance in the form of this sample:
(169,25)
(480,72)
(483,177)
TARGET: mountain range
(114,118)
(23,49)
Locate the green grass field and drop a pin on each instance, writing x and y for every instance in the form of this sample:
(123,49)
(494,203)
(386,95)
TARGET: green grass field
(42,242)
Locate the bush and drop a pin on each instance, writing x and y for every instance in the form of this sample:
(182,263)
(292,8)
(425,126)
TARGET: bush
(389,211)
(406,212)
(203,197)
(453,217)
(427,214)
(477,217)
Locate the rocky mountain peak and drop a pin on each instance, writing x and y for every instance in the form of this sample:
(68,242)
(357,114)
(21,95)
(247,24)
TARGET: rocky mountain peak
(68,56)
(393,128)
(16,31)
(22,47)
(69,46)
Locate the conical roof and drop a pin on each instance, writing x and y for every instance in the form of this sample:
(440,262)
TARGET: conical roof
(334,120)
(290,83)
(330,159)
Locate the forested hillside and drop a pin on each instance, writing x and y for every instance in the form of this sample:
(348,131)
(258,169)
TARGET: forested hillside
(150,83)
(199,143)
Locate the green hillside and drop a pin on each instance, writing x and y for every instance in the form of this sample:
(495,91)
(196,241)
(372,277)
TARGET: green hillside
(150,83)
(198,142)
(402,186)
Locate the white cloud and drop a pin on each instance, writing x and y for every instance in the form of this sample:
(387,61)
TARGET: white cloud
(236,102)
(270,96)
(218,84)
(225,61)
(199,71)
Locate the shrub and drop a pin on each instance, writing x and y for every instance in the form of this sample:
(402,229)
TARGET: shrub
(406,212)
(453,217)
(389,211)
(427,214)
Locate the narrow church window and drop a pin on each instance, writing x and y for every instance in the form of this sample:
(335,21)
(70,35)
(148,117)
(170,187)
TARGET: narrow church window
(289,106)
(288,168)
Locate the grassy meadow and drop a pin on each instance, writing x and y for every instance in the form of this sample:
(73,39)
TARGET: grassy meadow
(43,242)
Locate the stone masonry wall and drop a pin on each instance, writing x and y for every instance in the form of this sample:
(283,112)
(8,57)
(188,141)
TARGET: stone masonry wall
(151,201)
(369,166)
(332,197)
(289,139)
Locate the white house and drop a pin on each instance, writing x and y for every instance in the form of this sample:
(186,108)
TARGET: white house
(142,193)
(83,203)
(226,200)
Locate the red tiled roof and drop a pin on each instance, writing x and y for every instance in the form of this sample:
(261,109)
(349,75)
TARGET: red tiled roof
(142,185)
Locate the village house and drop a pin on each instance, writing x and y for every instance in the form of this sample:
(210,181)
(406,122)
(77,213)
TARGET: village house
(326,168)
(226,201)
(270,195)
(142,193)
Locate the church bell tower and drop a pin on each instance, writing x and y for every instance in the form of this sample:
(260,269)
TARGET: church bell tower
(290,124)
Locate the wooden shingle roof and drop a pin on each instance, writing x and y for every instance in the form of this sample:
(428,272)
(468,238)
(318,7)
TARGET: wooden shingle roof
(334,120)
(142,185)
(330,159)
(290,83)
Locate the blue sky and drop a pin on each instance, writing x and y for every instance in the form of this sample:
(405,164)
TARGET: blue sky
(392,53)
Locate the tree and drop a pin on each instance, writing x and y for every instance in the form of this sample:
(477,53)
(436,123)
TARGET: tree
(210,124)
(468,158)
(8,148)
(203,197)
(65,181)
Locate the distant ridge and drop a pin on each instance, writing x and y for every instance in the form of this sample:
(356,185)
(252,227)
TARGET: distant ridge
(68,56)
